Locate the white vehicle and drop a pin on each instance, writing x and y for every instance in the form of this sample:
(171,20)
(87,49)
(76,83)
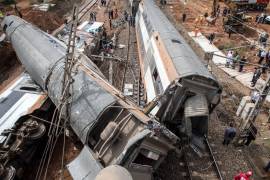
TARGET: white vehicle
(86,33)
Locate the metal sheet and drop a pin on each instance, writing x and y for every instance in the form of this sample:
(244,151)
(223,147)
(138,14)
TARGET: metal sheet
(196,106)
(7,102)
(43,57)
(85,166)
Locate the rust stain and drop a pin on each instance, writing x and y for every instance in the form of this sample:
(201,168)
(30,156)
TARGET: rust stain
(38,103)
(165,57)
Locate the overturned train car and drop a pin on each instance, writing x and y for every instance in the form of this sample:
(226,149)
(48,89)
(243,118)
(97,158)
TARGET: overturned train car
(172,70)
(112,129)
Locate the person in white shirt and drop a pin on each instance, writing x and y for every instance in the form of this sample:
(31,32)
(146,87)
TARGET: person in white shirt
(229,59)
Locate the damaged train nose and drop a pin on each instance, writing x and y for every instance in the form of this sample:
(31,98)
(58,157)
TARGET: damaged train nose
(196,117)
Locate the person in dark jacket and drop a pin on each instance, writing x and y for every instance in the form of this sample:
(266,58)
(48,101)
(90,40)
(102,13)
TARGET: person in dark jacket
(184,17)
(251,135)
(267,167)
(256,76)
(229,134)
(212,37)
(242,63)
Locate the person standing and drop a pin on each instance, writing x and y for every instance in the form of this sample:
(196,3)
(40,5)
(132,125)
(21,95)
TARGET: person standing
(129,20)
(267,167)
(126,15)
(112,14)
(264,68)
(91,16)
(110,21)
(163,2)
(262,55)
(251,135)
(109,14)
(267,58)
(116,13)
(212,37)
(256,76)
(225,12)
(94,14)
(184,17)
(236,58)
(230,33)
(229,59)
(229,134)
(242,63)
(255,95)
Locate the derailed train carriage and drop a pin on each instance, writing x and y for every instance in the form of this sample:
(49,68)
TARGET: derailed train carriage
(112,129)
(170,68)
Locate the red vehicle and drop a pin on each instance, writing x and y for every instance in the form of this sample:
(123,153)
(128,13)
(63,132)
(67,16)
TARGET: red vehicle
(249,4)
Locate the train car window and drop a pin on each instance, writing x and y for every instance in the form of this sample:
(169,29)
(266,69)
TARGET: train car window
(155,74)
(25,88)
(157,82)
(10,23)
(5,27)
(176,41)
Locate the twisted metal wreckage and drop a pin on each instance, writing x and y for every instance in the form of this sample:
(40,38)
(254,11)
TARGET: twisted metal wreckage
(111,127)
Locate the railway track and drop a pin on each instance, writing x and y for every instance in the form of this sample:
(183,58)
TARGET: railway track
(203,166)
(132,72)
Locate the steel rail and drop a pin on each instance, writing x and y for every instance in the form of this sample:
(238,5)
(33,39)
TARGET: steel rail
(126,61)
(189,172)
(213,158)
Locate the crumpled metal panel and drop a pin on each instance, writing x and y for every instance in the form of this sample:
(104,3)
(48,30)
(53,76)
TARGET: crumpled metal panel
(84,166)
(196,106)
(43,57)
(89,100)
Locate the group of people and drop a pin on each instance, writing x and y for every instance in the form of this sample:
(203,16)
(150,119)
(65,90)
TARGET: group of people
(260,18)
(103,2)
(234,58)
(93,16)
(230,133)
(264,62)
(129,18)
(113,13)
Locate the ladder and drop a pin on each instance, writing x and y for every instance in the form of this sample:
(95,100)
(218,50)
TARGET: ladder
(70,61)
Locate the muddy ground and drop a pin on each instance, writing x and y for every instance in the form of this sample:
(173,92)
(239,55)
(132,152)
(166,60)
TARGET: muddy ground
(194,9)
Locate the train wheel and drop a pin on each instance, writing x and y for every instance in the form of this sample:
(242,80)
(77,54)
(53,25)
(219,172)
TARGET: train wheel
(34,129)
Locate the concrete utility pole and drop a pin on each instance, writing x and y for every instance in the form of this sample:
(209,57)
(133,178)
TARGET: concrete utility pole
(255,111)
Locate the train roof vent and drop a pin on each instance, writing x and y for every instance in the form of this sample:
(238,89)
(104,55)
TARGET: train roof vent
(176,41)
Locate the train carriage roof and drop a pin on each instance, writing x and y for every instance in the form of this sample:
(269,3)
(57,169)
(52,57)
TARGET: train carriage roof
(186,62)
